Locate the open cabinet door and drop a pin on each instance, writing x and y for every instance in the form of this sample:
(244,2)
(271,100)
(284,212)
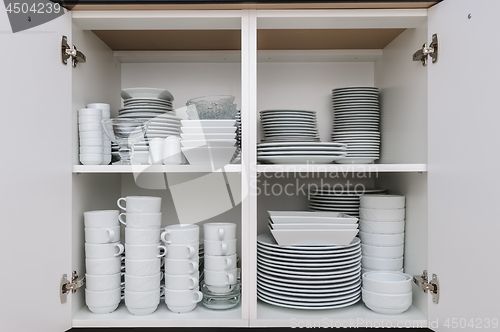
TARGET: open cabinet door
(464,159)
(35,204)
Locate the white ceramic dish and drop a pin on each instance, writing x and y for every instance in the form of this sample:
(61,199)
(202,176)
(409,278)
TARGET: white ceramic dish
(202,130)
(356,160)
(313,300)
(383,201)
(306,284)
(91,159)
(389,240)
(300,159)
(209,142)
(382,252)
(312,226)
(312,292)
(387,282)
(209,155)
(149,93)
(208,123)
(309,265)
(387,301)
(287,217)
(339,271)
(382,264)
(311,259)
(382,214)
(314,237)
(205,136)
(384,227)
(268,241)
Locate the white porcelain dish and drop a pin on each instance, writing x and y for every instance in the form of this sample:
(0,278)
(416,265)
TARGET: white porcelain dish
(382,264)
(382,251)
(205,136)
(387,282)
(209,142)
(149,93)
(398,302)
(300,305)
(314,237)
(209,155)
(300,159)
(208,123)
(382,214)
(287,217)
(218,130)
(304,265)
(382,239)
(383,201)
(312,226)
(384,227)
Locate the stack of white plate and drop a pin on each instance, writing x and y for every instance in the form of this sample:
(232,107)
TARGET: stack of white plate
(237,157)
(308,277)
(356,121)
(289,125)
(339,198)
(300,152)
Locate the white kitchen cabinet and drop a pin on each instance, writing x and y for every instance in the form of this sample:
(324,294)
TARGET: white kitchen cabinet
(438,128)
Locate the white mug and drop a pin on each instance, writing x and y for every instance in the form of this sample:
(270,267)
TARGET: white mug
(142,284)
(182,282)
(103,266)
(220,278)
(100,283)
(219,231)
(143,303)
(142,236)
(144,251)
(181,266)
(103,302)
(101,218)
(142,267)
(182,251)
(140,204)
(107,250)
(140,220)
(181,234)
(182,298)
(102,235)
(220,263)
(220,248)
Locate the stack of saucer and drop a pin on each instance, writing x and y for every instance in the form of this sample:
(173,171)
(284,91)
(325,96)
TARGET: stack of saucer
(289,125)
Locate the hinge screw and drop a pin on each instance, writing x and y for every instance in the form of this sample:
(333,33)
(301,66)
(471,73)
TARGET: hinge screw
(469,16)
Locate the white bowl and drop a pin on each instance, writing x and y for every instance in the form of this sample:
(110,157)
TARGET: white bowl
(181,309)
(89,119)
(209,155)
(381,214)
(387,282)
(91,150)
(289,217)
(385,227)
(104,310)
(206,136)
(101,106)
(91,159)
(201,130)
(142,311)
(382,264)
(382,252)
(382,201)
(91,134)
(209,142)
(90,127)
(388,240)
(363,271)
(387,311)
(208,123)
(387,301)
(96,142)
(292,237)
(90,111)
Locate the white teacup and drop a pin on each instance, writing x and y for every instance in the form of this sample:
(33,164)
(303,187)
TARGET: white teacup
(143,303)
(140,220)
(102,235)
(182,300)
(220,263)
(142,236)
(182,251)
(142,267)
(219,231)
(181,234)
(142,284)
(100,283)
(103,302)
(220,248)
(182,282)
(181,266)
(106,250)
(101,218)
(140,204)
(220,278)
(103,266)
(144,251)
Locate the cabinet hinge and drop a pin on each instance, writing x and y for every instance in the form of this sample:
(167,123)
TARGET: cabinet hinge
(432,50)
(72,286)
(68,52)
(432,286)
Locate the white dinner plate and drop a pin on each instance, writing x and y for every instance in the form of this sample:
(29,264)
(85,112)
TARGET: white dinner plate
(149,93)
(310,299)
(277,124)
(338,271)
(299,305)
(302,153)
(277,257)
(281,111)
(358,160)
(208,123)
(219,130)
(303,279)
(300,159)
(301,148)
(288,116)
(212,142)
(309,291)
(340,268)
(272,281)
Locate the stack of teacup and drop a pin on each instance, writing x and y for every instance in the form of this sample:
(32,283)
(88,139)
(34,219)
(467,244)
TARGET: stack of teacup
(143,252)
(95,147)
(103,288)
(382,232)
(181,267)
(220,273)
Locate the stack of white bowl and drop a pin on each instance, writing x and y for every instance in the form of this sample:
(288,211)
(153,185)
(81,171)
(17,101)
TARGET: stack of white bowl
(220,273)
(103,288)
(106,142)
(143,253)
(181,267)
(387,292)
(208,142)
(382,226)
(95,147)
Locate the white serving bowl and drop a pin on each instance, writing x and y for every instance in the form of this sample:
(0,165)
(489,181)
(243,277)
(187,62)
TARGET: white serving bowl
(292,237)
(209,155)
(91,159)
(382,252)
(90,127)
(208,142)
(100,106)
(208,123)
(207,136)
(363,271)
(382,264)
(376,201)
(382,214)
(90,111)
(91,134)
(96,142)
(387,282)
(388,240)
(386,303)
(201,130)
(384,227)
(91,150)
(89,119)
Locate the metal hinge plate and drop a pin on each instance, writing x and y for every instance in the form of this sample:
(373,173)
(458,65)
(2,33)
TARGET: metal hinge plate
(67,287)
(432,286)
(432,50)
(68,52)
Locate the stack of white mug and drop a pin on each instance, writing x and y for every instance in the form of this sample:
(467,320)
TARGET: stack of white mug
(143,253)
(181,267)
(103,288)
(220,271)
(95,146)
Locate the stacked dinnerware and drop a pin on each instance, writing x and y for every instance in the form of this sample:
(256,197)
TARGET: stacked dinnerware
(91,136)
(208,142)
(181,267)
(300,152)
(387,292)
(103,287)
(308,277)
(143,252)
(356,115)
(289,125)
(237,157)
(382,226)
(106,143)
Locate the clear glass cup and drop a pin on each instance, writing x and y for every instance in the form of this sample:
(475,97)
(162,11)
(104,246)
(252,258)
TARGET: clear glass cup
(125,133)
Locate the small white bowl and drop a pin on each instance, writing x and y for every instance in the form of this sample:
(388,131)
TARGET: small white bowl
(100,106)
(89,112)
(90,127)
(381,214)
(382,264)
(378,301)
(387,282)
(388,240)
(363,271)
(91,159)
(89,119)
(384,227)
(387,311)
(96,142)
(91,134)
(382,252)
(382,202)
(91,150)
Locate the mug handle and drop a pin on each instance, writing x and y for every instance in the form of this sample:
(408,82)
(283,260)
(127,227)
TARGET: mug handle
(223,247)
(230,279)
(162,254)
(199,296)
(118,203)
(221,234)
(121,220)
(194,281)
(191,251)
(163,237)
(111,235)
(194,267)
(229,261)
(121,249)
